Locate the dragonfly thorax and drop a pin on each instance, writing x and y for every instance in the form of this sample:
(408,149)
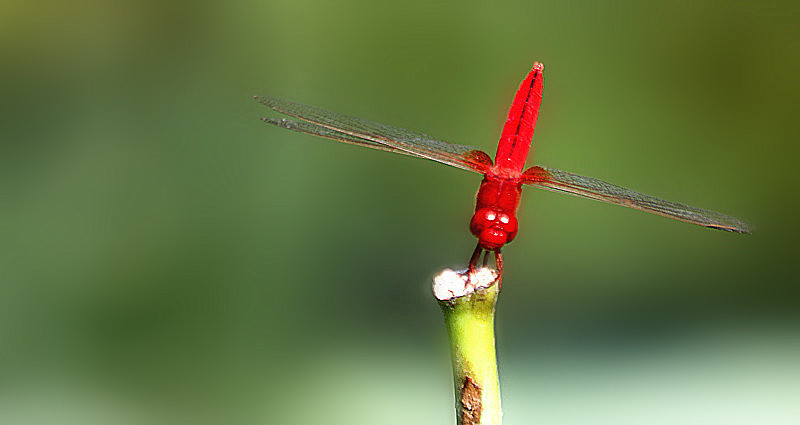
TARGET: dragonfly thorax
(495,220)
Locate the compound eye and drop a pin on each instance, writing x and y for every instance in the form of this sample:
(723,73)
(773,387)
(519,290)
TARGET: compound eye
(504,219)
(491,216)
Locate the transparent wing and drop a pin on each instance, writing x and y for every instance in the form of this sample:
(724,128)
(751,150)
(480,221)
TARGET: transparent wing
(378,136)
(587,187)
(315,130)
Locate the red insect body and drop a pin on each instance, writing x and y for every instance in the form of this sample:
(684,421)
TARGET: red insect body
(495,220)
(515,141)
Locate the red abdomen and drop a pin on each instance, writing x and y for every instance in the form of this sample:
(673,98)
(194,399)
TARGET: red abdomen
(515,142)
(495,220)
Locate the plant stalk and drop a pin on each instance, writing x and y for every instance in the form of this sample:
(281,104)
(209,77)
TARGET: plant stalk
(468,303)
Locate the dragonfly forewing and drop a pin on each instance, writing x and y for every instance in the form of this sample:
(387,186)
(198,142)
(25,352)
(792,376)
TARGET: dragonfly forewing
(316,130)
(394,138)
(587,187)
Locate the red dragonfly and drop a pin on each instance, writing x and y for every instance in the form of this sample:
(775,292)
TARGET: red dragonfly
(494,222)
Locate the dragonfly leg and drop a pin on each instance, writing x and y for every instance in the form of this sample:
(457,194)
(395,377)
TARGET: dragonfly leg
(476,255)
(498,260)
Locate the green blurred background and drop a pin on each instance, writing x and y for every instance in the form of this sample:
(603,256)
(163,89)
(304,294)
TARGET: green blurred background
(166,258)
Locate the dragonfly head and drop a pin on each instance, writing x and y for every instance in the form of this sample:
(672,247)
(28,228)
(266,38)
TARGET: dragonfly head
(493,228)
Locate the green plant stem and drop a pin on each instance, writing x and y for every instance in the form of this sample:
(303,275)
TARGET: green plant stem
(469,318)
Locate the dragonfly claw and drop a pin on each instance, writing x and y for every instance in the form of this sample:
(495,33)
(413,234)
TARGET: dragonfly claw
(498,260)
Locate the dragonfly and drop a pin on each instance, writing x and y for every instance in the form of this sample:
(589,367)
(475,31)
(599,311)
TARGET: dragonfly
(494,222)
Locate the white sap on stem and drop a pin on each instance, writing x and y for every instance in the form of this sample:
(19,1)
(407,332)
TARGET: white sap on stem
(452,284)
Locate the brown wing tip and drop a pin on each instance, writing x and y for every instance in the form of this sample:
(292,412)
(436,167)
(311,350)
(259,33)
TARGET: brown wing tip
(281,122)
(265,100)
(741,228)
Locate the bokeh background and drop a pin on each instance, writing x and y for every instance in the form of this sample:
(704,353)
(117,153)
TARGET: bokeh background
(166,258)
